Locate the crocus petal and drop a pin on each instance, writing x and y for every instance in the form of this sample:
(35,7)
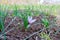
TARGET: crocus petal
(29,19)
(32,21)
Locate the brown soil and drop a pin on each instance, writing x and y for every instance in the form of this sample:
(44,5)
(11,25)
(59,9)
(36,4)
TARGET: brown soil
(20,34)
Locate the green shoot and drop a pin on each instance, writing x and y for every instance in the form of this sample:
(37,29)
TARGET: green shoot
(45,22)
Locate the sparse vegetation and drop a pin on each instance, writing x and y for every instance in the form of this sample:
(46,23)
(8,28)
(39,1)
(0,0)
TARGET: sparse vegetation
(37,19)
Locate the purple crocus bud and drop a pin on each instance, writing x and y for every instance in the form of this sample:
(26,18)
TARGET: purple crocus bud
(31,20)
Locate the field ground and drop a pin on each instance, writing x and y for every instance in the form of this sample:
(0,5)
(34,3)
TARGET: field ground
(19,33)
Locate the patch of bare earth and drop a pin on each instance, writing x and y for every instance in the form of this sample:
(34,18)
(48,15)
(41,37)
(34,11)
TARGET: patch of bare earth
(19,32)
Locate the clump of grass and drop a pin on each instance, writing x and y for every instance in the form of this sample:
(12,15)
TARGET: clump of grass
(3,14)
(24,15)
(44,36)
(45,22)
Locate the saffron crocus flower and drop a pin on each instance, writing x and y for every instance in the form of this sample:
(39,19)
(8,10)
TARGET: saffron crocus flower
(31,20)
